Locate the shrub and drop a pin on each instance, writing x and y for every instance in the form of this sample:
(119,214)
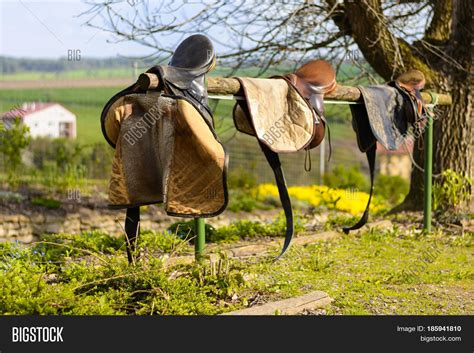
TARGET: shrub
(451,190)
(186,230)
(251,229)
(346,178)
(243,200)
(13,140)
(391,188)
(64,164)
(241,179)
(348,200)
(48,203)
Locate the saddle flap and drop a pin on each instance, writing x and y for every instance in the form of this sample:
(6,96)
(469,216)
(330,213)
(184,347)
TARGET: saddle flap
(142,124)
(196,177)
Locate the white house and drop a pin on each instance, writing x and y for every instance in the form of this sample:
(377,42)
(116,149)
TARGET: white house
(44,119)
(396,162)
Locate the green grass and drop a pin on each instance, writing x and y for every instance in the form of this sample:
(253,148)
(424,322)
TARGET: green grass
(380,273)
(374,273)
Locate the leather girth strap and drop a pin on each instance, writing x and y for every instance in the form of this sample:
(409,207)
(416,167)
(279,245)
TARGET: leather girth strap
(132,229)
(371,152)
(275,164)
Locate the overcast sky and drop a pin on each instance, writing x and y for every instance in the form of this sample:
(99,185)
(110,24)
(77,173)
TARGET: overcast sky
(48,29)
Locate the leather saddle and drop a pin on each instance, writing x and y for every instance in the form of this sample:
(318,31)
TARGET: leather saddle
(313,80)
(388,115)
(167,150)
(286,114)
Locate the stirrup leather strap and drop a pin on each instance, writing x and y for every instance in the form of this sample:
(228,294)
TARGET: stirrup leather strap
(132,229)
(371,159)
(275,164)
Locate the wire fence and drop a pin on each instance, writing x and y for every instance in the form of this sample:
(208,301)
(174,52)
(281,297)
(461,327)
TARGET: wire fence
(245,154)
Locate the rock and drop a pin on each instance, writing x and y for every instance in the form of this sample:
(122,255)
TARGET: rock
(308,239)
(53,228)
(292,306)
(251,250)
(37,218)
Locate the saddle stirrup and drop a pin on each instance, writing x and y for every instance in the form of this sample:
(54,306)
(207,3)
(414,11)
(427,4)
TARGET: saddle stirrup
(285,200)
(371,159)
(132,231)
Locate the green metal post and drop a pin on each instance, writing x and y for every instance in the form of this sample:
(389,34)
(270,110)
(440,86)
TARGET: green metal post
(428,174)
(200,241)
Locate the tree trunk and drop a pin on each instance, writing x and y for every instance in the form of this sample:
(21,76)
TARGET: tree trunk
(453,129)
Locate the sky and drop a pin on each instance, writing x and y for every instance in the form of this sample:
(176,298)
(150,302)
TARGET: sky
(49,29)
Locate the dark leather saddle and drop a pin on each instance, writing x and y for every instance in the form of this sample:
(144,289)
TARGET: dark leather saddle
(286,114)
(167,150)
(390,113)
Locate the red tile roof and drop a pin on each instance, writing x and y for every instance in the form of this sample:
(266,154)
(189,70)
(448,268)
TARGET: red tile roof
(26,109)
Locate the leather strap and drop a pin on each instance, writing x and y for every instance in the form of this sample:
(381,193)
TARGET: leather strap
(329,142)
(307,160)
(371,152)
(132,230)
(275,164)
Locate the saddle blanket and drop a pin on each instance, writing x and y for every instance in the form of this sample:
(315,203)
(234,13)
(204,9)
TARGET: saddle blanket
(276,113)
(382,117)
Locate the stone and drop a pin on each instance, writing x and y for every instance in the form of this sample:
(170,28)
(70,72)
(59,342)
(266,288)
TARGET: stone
(291,306)
(308,239)
(37,218)
(382,225)
(54,227)
(251,250)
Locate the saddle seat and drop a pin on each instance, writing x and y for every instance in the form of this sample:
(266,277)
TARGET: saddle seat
(412,80)
(314,77)
(194,54)
(313,80)
(185,73)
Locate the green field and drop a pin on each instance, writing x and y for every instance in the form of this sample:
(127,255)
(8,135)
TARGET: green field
(120,72)
(69,75)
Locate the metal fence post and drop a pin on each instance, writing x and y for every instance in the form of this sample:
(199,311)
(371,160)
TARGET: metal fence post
(200,240)
(428,175)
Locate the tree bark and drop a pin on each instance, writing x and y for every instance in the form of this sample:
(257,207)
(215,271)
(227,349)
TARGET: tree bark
(454,145)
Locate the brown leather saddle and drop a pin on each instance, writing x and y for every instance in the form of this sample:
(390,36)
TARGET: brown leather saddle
(313,80)
(286,114)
